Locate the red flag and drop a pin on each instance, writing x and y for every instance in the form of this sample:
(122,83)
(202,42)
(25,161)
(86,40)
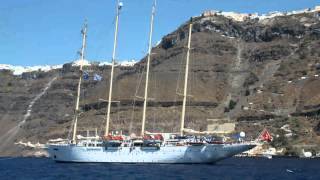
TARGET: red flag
(265,136)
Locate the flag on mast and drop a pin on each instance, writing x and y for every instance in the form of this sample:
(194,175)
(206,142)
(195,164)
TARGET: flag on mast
(265,136)
(85,75)
(97,77)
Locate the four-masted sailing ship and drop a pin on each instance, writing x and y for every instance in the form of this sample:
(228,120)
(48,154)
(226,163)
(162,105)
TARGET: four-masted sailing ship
(148,147)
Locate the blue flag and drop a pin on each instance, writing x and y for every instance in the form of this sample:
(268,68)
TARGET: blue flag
(85,75)
(97,77)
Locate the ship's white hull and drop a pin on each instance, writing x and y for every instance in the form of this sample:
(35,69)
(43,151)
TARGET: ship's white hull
(208,153)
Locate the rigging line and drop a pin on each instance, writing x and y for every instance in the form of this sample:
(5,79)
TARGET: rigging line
(117,99)
(118,120)
(70,129)
(156,96)
(180,65)
(153,79)
(79,113)
(72,123)
(76,57)
(84,88)
(180,71)
(146,67)
(99,48)
(99,107)
(107,33)
(135,95)
(140,80)
(193,85)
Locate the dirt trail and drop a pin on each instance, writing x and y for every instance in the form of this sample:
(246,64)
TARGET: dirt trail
(8,137)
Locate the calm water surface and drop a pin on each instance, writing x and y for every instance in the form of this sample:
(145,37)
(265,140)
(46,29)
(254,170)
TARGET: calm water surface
(234,168)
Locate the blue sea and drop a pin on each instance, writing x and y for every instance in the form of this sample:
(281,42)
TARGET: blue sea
(233,168)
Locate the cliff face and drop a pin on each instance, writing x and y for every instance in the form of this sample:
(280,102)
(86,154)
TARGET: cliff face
(257,73)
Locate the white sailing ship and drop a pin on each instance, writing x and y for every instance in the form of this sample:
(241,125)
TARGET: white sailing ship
(157,148)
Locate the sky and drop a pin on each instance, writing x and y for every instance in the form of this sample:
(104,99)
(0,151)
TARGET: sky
(41,32)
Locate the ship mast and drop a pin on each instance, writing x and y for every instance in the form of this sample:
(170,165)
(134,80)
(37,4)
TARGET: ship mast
(119,6)
(84,36)
(185,83)
(148,66)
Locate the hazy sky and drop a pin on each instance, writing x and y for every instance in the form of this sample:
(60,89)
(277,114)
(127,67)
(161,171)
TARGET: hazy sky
(38,32)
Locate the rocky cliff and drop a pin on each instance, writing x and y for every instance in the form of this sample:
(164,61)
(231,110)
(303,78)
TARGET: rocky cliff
(258,73)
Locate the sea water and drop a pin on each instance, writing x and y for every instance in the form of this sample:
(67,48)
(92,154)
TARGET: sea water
(233,168)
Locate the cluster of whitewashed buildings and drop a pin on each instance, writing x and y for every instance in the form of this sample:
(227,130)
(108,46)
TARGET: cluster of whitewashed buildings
(245,16)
